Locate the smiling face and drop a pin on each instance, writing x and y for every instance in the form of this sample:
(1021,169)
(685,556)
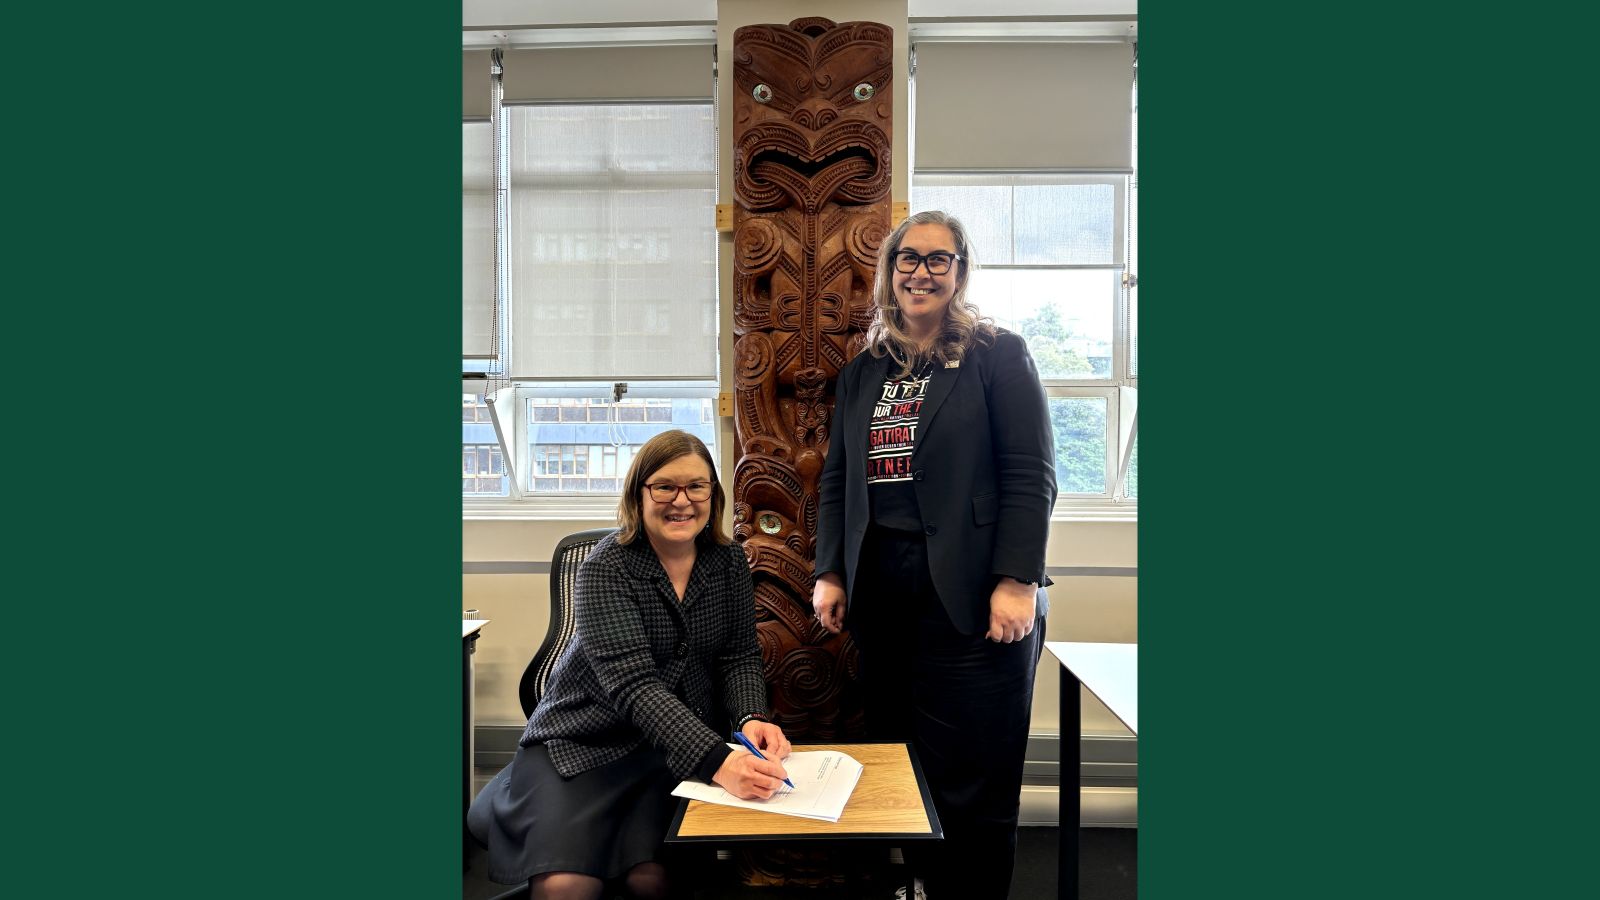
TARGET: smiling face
(670,526)
(923,297)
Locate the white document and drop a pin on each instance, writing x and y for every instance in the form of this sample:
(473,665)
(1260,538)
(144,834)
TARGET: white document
(823,781)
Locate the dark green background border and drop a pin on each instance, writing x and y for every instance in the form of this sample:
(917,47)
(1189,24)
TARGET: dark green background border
(1357,499)
(234,664)
(236,590)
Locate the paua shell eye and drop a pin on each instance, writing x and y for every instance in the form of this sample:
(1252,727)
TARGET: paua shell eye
(863,91)
(762,93)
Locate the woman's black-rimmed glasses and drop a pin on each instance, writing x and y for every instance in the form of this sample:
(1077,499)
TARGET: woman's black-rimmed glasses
(696,491)
(939,262)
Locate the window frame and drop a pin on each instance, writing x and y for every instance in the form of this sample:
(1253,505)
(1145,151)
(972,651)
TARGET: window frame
(1119,391)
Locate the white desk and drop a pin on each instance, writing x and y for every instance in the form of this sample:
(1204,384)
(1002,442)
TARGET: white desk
(1111,673)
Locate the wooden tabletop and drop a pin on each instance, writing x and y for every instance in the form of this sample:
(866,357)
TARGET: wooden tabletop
(889,800)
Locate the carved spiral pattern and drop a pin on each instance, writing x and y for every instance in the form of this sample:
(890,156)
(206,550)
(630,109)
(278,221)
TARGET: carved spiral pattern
(753,359)
(757,244)
(808,677)
(769,639)
(863,237)
(852,660)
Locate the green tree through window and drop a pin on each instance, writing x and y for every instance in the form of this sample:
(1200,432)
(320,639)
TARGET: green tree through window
(1078,423)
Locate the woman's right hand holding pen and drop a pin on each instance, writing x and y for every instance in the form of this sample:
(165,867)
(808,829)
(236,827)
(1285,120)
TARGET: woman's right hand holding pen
(749,777)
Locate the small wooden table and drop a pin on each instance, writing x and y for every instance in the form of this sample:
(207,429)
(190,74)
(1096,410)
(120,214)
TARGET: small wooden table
(891,802)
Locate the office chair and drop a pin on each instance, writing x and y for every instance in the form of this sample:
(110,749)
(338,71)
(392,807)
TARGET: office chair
(569,554)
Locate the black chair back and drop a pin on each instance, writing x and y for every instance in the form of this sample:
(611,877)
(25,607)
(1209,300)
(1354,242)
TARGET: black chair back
(569,555)
(564,563)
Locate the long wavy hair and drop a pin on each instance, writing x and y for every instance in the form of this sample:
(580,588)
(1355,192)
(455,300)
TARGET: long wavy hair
(963,325)
(657,452)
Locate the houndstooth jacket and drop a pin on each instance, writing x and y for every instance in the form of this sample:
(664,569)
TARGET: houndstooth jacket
(644,667)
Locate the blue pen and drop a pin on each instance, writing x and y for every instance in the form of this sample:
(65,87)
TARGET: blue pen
(752,748)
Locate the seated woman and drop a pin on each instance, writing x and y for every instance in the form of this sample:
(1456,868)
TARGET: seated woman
(665,630)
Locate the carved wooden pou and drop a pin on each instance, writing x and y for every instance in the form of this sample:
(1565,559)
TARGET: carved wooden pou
(812,120)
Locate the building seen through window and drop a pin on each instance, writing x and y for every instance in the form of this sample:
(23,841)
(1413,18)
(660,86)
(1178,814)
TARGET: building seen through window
(584,446)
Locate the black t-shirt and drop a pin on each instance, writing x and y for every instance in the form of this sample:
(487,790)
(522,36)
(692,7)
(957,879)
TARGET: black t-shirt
(891,438)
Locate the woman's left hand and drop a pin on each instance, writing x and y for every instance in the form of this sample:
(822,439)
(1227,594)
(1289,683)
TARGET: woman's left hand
(1011,611)
(767,737)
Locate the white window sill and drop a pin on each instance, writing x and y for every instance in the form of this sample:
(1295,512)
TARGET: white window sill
(540,509)
(1094,509)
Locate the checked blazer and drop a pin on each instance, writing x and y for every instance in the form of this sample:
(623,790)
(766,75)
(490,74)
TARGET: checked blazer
(643,666)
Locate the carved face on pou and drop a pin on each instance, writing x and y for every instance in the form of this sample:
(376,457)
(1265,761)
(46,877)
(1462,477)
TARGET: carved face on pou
(814,100)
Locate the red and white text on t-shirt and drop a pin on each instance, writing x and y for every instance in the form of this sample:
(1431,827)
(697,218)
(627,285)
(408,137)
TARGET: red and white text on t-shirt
(892,434)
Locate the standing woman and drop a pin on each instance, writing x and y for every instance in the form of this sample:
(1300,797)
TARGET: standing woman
(935,504)
(665,631)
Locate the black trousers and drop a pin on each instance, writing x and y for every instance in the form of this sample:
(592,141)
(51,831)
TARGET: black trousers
(963,701)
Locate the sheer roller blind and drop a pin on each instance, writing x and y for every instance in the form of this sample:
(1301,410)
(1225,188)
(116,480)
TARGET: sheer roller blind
(477,242)
(613,242)
(1019,105)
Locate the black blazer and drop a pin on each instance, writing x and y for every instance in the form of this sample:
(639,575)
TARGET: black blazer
(644,667)
(983,470)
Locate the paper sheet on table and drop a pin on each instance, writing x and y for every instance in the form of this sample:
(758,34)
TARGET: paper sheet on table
(823,781)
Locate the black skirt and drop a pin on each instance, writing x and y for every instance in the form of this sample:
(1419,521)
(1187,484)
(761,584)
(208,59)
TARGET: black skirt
(602,822)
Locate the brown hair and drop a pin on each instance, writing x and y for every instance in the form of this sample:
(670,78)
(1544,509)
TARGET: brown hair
(657,452)
(962,323)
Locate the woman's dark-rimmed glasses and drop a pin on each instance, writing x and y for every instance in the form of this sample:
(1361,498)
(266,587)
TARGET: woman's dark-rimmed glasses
(696,491)
(939,262)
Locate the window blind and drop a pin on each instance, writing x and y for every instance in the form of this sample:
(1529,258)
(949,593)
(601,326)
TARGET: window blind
(1019,105)
(680,72)
(613,242)
(477,242)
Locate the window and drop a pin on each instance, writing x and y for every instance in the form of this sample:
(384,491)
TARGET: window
(575,445)
(612,251)
(587,446)
(483,467)
(1052,252)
